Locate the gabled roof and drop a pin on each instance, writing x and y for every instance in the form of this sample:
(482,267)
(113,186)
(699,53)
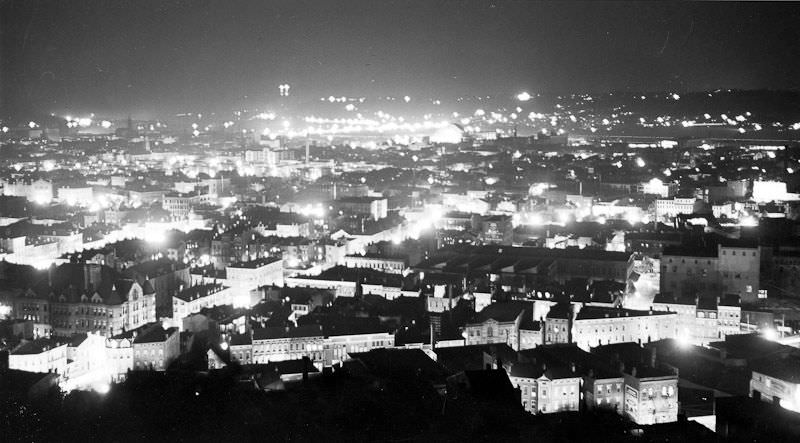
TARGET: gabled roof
(36,346)
(474,357)
(504,311)
(401,362)
(155,334)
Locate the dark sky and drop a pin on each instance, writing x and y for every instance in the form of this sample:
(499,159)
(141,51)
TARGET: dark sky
(122,56)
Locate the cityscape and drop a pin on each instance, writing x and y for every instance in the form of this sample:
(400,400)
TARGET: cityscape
(399,221)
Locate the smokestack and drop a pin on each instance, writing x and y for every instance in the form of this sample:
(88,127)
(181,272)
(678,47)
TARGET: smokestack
(307,153)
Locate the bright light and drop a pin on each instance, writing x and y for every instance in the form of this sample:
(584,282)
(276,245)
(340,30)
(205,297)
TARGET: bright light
(683,339)
(770,334)
(155,236)
(224,346)
(538,189)
(32,124)
(523,96)
(640,162)
(102,388)
(84,122)
(105,124)
(41,199)
(536,220)
(749,221)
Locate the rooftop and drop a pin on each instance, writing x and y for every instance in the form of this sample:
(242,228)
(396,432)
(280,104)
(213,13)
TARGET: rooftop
(36,346)
(253,264)
(155,334)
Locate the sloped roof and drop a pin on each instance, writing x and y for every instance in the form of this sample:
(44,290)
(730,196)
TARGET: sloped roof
(504,311)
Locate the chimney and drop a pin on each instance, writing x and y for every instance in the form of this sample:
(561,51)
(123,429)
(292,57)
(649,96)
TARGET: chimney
(653,353)
(572,367)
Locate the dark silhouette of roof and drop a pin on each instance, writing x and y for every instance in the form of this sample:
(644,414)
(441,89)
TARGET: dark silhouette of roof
(155,334)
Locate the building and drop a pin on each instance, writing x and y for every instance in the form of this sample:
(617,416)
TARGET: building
(497,229)
(195,298)
(119,354)
(500,323)
(40,355)
(558,324)
(180,205)
(86,297)
(256,273)
(670,208)
(379,262)
(727,267)
(651,244)
(339,344)
(651,395)
(776,380)
(279,343)
(155,348)
(595,326)
(520,267)
(38,190)
(87,361)
(375,207)
(547,389)
(602,383)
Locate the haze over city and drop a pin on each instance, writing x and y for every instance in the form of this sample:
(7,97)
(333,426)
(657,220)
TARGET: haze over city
(399,221)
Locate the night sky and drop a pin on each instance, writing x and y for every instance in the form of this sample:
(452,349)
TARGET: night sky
(132,56)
